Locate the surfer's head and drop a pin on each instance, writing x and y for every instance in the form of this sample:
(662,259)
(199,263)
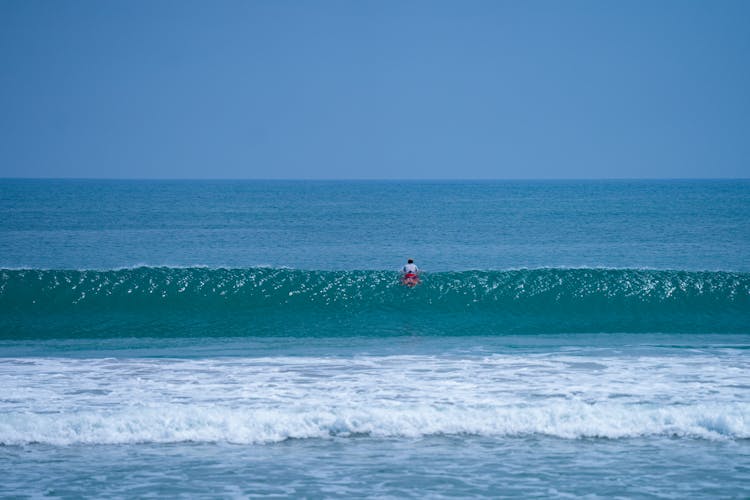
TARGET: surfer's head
(410,261)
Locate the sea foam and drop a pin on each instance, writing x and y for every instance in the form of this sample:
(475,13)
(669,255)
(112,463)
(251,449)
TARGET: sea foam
(264,400)
(180,423)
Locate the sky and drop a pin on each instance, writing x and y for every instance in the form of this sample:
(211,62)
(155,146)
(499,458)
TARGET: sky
(401,89)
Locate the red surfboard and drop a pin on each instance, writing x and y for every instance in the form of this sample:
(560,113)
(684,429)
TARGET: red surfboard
(410,279)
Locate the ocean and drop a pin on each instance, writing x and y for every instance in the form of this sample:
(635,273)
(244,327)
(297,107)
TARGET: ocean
(252,338)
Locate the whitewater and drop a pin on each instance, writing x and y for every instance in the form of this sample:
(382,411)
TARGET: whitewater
(568,339)
(266,400)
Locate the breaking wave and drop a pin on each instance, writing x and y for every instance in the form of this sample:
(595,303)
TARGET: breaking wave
(568,420)
(179,302)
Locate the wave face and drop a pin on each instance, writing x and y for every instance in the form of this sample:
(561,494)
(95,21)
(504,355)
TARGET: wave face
(178,302)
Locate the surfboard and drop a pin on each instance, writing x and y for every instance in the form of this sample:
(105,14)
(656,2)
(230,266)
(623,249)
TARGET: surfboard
(410,279)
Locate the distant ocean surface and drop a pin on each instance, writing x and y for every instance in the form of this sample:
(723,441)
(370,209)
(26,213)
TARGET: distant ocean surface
(242,338)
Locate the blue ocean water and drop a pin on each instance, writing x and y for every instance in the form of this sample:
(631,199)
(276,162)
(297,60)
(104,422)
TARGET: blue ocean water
(242,338)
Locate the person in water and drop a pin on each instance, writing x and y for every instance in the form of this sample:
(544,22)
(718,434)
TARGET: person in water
(411,274)
(410,267)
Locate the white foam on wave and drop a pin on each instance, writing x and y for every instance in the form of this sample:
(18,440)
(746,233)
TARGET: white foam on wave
(174,423)
(263,400)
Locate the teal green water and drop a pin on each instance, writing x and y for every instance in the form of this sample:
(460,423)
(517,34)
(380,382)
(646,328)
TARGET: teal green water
(237,339)
(193,302)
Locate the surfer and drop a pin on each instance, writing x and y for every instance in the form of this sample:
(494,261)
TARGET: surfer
(410,272)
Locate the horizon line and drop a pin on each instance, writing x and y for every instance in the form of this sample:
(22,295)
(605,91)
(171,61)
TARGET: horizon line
(390,179)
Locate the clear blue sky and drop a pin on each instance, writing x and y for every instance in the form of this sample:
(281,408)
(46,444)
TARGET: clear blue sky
(382,89)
